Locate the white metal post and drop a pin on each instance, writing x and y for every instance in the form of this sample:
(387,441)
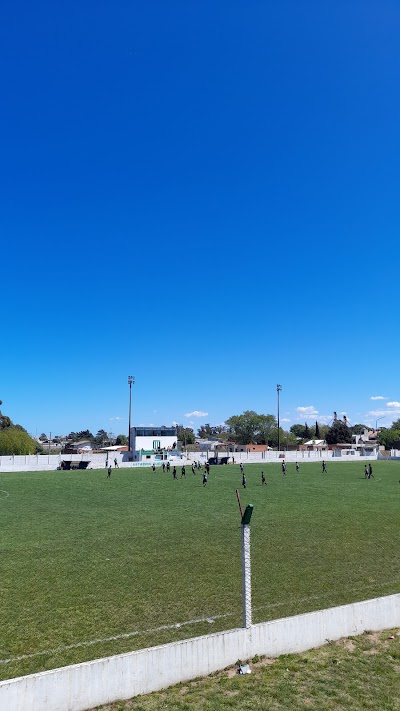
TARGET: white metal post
(246,576)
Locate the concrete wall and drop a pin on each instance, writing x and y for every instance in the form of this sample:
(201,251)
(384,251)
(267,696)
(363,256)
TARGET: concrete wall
(44,462)
(83,686)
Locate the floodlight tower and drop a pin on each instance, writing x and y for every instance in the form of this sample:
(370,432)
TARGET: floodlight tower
(278,390)
(131,381)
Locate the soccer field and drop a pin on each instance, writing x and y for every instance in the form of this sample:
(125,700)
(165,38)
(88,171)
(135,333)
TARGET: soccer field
(92,566)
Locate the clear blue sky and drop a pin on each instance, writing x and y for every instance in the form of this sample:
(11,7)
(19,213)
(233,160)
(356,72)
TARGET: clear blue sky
(204,195)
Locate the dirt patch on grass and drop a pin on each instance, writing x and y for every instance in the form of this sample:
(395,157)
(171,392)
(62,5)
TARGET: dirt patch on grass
(231,672)
(266,662)
(348,644)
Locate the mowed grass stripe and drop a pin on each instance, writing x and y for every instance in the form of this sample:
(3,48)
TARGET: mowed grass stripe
(85,558)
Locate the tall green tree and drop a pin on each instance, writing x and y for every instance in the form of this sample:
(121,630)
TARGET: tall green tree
(389,438)
(317,432)
(185,435)
(14,439)
(298,431)
(205,431)
(251,427)
(339,433)
(99,440)
(358,429)
(17,441)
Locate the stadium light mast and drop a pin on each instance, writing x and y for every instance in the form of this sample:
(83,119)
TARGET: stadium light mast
(278,390)
(131,381)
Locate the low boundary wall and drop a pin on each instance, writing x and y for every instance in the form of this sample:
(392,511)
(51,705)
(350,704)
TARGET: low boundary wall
(51,462)
(102,681)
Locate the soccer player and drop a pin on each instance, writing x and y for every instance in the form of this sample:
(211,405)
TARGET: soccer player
(244,480)
(193,468)
(205,478)
(263,479)
(183,472)
(116,465)
(284,468)
(163,466)
(297,467)
(241,468)
(174,472)
(370,474)
(168,466)
(366,473)
(323,466)
(109,471)
(154,467)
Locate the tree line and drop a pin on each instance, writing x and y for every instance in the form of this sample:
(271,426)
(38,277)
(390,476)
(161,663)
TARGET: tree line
(252,427)
(249,427)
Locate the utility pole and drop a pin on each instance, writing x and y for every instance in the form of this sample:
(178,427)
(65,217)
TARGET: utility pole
(131,381)
(278,390)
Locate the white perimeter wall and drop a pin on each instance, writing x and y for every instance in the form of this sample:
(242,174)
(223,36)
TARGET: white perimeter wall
(83,686)
(44,462)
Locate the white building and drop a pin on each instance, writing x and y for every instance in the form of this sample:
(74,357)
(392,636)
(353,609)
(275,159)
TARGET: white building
(153,440)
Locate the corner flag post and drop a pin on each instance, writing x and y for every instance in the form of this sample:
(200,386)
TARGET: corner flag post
(246,562)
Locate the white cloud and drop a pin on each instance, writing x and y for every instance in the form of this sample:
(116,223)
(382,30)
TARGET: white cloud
(393,404)
(378,414)
(112,419)
(308,411)
(196,413)
(377,397)
(285,419)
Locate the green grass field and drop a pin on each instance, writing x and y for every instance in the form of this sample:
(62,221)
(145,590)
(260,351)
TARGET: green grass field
(85,559)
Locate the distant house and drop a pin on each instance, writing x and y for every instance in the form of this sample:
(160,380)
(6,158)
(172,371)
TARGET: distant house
(81,447)
(366,442)
(252,447)
(314,445)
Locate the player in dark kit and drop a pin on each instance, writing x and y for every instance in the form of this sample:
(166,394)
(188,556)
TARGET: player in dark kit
(323,466)
(297,467)
(174,472)
(193,469)
(163,466)
(370,474)
(284,468)
(183,472)
(205,478)
(109,471)
(168,466)
(244,480)
(263,479)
